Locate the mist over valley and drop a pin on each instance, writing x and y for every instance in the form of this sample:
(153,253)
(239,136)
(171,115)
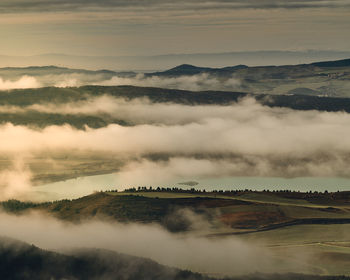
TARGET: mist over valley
(174,140)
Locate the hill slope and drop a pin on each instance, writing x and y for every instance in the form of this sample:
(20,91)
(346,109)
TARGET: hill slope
(229,212)
(21,261)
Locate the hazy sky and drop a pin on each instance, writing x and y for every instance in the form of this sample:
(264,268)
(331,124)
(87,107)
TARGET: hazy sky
(150,27)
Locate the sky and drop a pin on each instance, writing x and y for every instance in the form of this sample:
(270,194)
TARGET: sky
(154,27)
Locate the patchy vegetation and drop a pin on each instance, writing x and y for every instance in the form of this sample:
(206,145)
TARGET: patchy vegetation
(238,210)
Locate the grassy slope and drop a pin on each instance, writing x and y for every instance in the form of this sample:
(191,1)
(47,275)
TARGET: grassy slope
(243,210)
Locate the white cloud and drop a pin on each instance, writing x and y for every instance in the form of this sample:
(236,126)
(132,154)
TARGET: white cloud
(241,139)
(195,82)
(224,256)
(22,83)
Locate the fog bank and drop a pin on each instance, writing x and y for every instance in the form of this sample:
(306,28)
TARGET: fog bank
(186,82)
(168,141)
(224,256)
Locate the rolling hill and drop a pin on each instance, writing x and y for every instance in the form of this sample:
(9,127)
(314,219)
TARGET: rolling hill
(22,261)
(226,212)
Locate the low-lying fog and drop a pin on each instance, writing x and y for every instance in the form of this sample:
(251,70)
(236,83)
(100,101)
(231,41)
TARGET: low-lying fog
(168,142)
(222,256)
(193,82)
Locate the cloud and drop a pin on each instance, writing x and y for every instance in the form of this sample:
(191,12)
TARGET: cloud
(245,138)
(137,111)
(22,83)
(70,80)
(164,172)
(224,256)
(167,172)
(195,83)
(15,181)
(20,6)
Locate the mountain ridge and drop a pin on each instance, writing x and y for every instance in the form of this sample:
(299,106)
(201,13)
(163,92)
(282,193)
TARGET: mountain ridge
(192,69)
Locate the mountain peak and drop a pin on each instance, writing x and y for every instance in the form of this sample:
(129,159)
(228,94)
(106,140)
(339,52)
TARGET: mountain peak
(188,68)
(184,67)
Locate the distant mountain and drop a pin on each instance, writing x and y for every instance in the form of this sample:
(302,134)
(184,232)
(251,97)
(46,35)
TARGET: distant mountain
(13,72)
(187,69)
(160,62)
(329,78)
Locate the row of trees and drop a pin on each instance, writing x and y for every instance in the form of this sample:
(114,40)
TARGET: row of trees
(193,190)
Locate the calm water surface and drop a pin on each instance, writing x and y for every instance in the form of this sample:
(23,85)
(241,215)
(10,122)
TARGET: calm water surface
(75,188)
